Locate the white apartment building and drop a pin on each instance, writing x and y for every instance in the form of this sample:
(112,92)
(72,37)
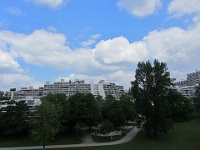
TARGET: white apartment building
(187,87)
(69,88)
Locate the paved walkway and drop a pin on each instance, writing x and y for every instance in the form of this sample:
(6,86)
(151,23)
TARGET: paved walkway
(127,138)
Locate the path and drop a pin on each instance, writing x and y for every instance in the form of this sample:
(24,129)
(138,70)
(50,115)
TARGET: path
(127,138)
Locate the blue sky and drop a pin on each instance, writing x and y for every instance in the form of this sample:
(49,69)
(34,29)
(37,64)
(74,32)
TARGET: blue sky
(49,40)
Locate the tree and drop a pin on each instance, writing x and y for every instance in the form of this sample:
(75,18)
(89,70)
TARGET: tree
(83,110)
(180,106)
(196,99)
(61,100)
(1,95)
(45,122)
(150,90)
(92,112)
(127,105)
(112,110)
(107,127)
(14,119)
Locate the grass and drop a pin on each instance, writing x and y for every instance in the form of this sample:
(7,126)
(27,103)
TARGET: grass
(185,136)
(27,141)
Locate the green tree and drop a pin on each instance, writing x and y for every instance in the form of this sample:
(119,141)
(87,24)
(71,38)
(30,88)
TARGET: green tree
(61,100)
(1,95)
(14,119)
(112,110)
(107,127)
(180,106)
(196,99)
(92,112)
(127,105)
(83,110)
(150,90)
(45,122)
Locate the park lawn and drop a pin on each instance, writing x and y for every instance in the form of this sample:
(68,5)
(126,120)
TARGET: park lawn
(27,141)
(185,136)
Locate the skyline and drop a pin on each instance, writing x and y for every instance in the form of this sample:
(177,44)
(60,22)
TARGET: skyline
(49,40)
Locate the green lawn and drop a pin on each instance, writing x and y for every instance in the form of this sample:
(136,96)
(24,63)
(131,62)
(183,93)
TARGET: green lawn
(27,141)
(185,136)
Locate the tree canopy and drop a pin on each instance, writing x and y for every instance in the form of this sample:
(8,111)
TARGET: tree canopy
(150,90)
(45,122)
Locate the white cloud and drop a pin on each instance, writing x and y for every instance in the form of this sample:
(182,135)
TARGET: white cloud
(8,64)
(17,81)
(182,7)
(91,40)
(175,46)
(119,52)
(140,8)
(45,48)
(50,3)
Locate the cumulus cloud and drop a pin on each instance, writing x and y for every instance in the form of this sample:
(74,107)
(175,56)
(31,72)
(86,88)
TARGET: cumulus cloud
(140,8)
(49,49)
(177,47)
(182,7)
(174,44)
(17,81)
(50,3)
(120,52)
(8,64)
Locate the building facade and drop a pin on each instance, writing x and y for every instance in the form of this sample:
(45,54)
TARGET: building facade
(68,88)
(187,87)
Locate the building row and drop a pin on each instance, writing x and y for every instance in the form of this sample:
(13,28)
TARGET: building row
(187,87)
(68,88)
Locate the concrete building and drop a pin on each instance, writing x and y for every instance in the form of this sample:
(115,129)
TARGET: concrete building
(69,88)
(187,87)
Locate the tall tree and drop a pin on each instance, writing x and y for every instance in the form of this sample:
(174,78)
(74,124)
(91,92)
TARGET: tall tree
(92,112)
(150,90)
(45,122)
(61,100)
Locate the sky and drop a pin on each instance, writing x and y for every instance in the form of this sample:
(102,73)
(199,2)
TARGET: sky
(92,40)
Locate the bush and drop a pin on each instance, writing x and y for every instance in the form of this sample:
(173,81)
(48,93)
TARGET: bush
(107,127)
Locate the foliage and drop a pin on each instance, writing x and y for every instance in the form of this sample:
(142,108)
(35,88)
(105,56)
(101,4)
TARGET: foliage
(196,99)
(1,95)
(14,120)
(107,127)
(127,105)
(61,100)
(113,111)
(150,90)
(45,122)
(83,109)
(181,107)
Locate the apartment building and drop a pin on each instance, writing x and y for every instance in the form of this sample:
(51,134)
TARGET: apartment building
(187,87)
(69,88)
